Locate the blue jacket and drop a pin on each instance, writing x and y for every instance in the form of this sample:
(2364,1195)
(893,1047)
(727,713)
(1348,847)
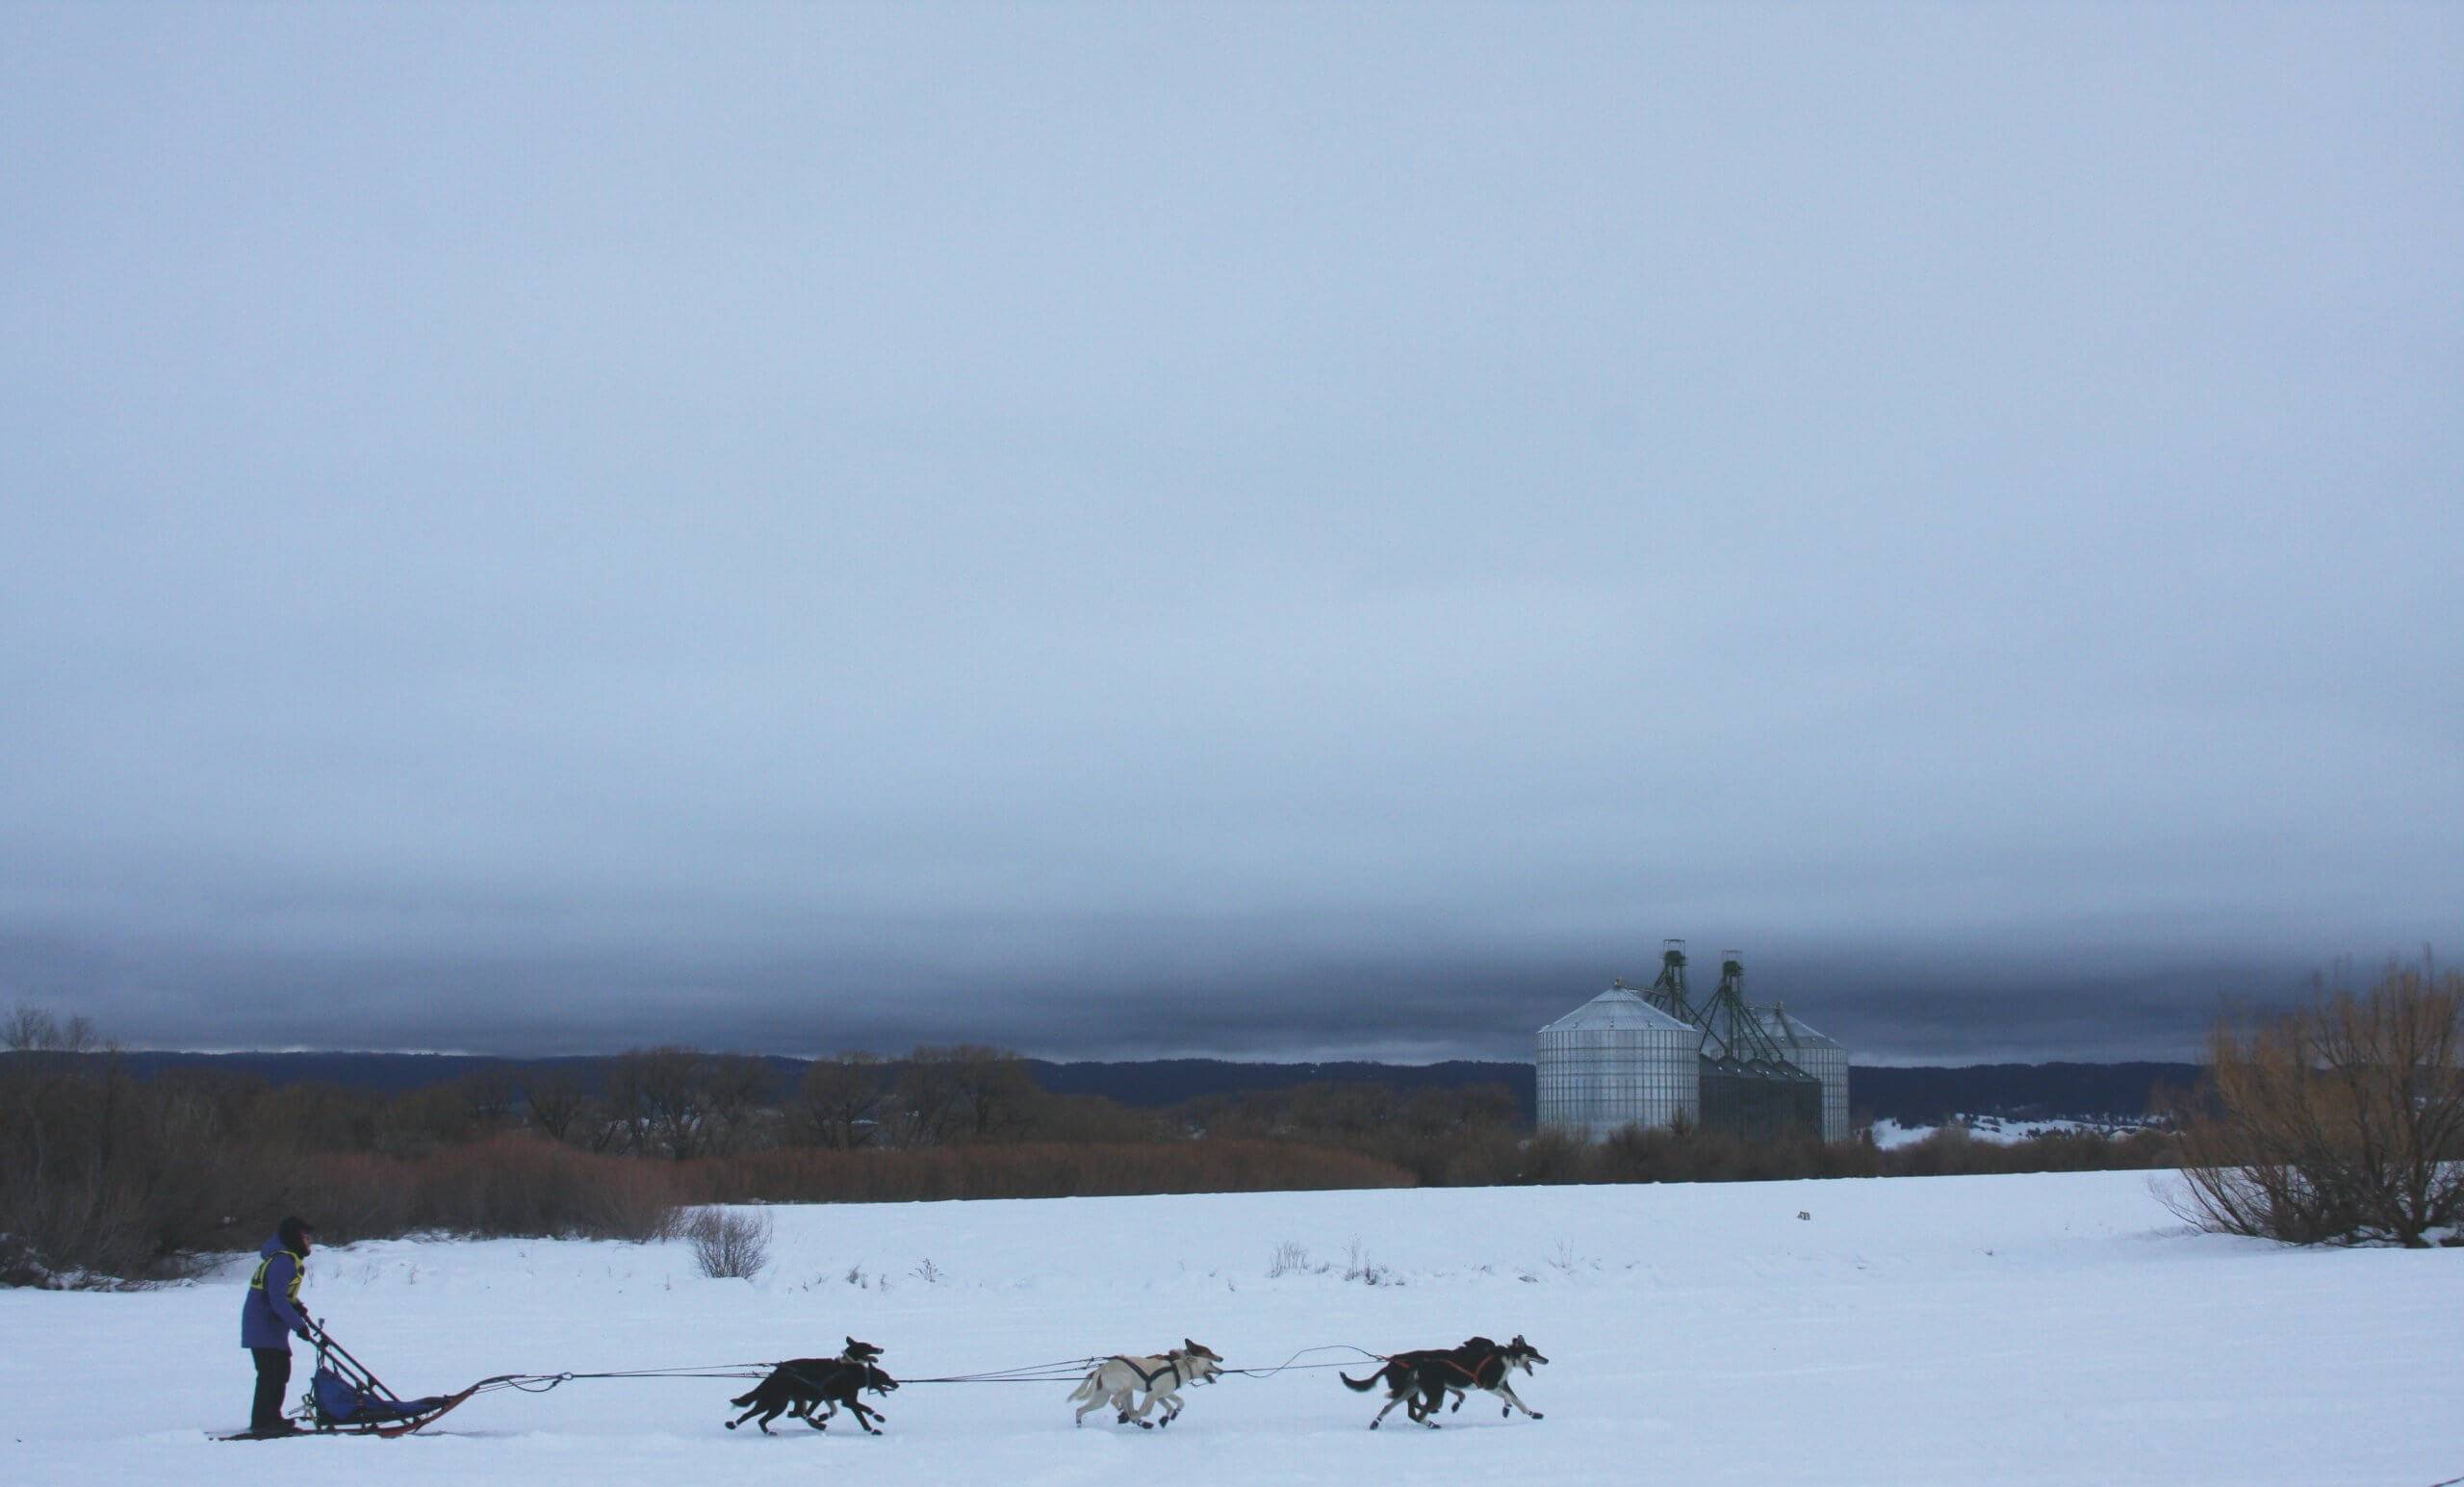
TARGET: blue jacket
(270,1314)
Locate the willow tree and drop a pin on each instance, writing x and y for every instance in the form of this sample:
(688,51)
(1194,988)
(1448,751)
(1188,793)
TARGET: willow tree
(2342,1122)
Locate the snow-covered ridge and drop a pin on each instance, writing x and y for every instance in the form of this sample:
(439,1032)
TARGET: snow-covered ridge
(1888,1134)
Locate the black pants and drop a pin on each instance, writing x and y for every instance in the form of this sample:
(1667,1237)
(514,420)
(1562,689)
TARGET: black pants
(273,1381)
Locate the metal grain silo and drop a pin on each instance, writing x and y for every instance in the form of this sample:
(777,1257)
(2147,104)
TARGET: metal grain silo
(1618,1061)
(1750,1087)
(1816,1055)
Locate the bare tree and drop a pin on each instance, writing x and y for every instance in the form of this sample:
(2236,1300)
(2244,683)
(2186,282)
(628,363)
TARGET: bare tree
(34,1030)
(100,1173)
(2338,1124)
(667,1096)
(27,1029)
(556,1101)
(994,1090)
(838,1103)
(490,1096)
(928,1097)
(685,1102)
(964,1093)
(425,1120)
(735,1088)
(629,1122)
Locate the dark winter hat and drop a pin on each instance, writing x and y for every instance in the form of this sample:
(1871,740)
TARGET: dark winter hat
(293,1233)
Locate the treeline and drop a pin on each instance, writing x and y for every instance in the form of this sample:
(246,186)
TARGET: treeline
(1470,1137)
(107,1177)
(1910,1096)
(108,1173)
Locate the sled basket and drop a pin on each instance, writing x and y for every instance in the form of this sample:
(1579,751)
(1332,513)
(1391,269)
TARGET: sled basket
(344,1397)
(338,1403)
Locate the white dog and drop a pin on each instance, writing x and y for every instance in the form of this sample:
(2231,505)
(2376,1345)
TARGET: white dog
(1117,1380)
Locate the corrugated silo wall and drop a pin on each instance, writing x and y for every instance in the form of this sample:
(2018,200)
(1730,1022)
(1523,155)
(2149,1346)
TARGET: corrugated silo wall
(1759,1106)
(1592,1081)
(1831,1067)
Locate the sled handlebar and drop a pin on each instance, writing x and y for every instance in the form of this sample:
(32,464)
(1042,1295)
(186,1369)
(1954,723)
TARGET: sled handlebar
(357,1372)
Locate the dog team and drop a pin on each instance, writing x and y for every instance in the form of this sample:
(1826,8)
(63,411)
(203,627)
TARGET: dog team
(814,1390)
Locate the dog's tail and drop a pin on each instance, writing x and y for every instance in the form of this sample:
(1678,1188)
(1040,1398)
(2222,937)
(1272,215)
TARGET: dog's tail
(1362,1385)
(1091,1386)
(747,1396)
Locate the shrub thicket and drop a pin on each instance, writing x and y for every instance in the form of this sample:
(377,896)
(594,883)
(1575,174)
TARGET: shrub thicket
(1033,1170)
(728,1245)
(2339,1124)
(514,1185)
(107,1177)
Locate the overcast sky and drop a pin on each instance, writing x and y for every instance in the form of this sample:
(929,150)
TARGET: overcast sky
(1265,531)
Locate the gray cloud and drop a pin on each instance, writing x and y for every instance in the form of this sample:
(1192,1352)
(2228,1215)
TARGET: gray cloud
(1221,530)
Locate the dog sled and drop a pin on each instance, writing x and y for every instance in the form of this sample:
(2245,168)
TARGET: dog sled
(346,1398)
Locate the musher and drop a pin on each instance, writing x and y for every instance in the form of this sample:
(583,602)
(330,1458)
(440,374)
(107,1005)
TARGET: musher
(270,1318)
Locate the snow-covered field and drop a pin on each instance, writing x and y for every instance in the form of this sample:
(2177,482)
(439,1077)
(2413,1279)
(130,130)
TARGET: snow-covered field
(2035,1329)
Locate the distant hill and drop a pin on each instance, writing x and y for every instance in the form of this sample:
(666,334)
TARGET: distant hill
(1926,1096)
(1910,1096)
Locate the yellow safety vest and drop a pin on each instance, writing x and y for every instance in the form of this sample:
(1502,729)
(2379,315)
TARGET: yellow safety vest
(298,1274)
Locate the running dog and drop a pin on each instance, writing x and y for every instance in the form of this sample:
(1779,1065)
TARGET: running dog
(1423,1378)
(1115,1380)
(800,1386)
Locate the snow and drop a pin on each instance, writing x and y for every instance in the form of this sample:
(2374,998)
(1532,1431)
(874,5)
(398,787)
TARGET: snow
(1888,1134)
(2035,1329)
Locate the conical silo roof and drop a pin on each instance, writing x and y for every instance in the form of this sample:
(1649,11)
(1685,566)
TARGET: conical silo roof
(1788,1030)
(1617,1010)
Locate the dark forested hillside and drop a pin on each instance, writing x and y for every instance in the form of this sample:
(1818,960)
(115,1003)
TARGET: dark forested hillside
(1909,1096)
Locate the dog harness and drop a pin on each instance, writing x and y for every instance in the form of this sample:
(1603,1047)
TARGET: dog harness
(1147,1380)
(1473,1373)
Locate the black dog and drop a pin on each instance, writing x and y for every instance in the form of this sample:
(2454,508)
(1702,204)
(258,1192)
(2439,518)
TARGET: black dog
(1425,1376)
(860,1352)
(801,1385)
